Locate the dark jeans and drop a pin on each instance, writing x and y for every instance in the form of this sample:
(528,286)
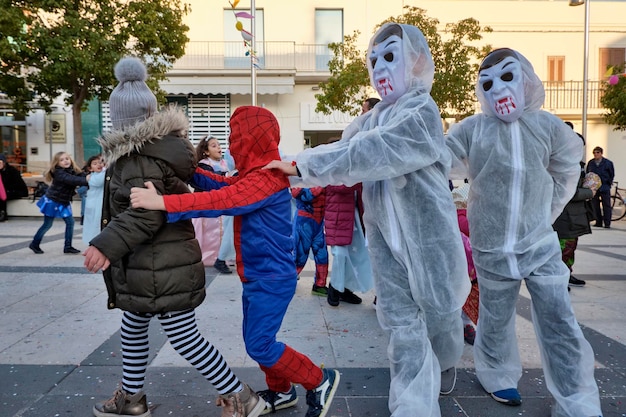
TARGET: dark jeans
(82,192)
(604,215)
(47,224)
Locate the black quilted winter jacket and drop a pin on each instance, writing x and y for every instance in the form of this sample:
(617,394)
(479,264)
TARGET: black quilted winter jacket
(156,267)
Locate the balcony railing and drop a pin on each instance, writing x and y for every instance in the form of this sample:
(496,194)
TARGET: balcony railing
(308,58)
(270,55)
(569,95)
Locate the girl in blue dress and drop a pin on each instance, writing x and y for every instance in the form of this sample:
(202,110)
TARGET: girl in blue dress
(64,176)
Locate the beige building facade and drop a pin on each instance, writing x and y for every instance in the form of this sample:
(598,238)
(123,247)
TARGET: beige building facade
(290,45)
(213,78)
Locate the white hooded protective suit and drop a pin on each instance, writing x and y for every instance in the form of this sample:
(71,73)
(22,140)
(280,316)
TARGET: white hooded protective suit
(397,151)
(523,166)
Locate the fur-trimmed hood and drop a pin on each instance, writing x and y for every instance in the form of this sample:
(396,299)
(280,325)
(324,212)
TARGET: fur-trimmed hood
(157,137)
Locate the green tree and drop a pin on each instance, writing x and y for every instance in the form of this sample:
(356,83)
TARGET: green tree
(614,100)
(68,47)
(454,53)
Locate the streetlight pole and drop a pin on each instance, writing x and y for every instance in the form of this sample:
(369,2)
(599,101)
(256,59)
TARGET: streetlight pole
(585,64)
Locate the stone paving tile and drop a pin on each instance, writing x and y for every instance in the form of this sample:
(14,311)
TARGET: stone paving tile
(59,349)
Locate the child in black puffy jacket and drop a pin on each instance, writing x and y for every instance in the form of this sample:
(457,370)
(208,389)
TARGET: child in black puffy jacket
(64,176)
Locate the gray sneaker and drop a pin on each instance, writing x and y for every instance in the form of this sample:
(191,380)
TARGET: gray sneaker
(123,404)
(448,381)
(245,403)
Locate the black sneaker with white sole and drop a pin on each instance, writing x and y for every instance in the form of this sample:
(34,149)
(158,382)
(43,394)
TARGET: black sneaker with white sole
(275,401)
(320,398)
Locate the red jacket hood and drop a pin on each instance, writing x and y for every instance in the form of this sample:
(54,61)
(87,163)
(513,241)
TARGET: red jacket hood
(254,138)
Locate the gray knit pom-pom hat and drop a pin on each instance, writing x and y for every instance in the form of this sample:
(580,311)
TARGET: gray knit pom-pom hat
(131,101)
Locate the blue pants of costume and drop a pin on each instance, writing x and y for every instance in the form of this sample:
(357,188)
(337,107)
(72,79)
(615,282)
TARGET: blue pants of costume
(264,303)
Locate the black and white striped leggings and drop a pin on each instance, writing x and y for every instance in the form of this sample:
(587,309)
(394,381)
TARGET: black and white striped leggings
(183,334)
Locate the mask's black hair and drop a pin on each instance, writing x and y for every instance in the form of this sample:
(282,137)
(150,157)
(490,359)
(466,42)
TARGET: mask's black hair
(496,56)
(389,31)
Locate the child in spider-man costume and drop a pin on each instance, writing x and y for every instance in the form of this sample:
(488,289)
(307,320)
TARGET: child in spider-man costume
(261,203)
(308,233)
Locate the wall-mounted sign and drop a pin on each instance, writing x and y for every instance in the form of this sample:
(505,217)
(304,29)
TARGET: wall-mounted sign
(55,127)
(311,120)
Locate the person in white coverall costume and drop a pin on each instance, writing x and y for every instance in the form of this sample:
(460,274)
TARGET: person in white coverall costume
(523,164)
(397,151)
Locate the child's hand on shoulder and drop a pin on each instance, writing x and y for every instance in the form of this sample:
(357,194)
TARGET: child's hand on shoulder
(146,198)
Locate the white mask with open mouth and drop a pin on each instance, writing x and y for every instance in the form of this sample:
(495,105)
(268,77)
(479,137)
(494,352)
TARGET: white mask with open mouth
(388,69)
(502,84)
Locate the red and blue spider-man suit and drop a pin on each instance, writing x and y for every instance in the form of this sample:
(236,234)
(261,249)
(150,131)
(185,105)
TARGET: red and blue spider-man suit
(261,203)
(308,231)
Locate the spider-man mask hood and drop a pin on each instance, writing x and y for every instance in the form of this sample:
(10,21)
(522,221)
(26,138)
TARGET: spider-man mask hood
(254,138)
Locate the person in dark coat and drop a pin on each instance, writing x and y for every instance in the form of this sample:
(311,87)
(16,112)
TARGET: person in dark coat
(14,185)
(573,223)
(605,170)
(153,268)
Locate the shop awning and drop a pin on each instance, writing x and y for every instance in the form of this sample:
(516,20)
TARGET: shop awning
(227,85)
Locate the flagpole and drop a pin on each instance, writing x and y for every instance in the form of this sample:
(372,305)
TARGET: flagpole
(253,53)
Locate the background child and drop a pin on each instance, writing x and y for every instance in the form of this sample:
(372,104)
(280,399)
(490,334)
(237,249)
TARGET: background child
(93,199)
(209,231)
(260,201)
(64,176)
(343,222)
(308,234)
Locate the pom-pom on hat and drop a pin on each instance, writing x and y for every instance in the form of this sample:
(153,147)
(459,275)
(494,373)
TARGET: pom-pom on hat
(131,101)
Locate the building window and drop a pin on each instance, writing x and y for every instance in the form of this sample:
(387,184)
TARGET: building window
(234,50)
(328,29)
(556,68)
(610,57)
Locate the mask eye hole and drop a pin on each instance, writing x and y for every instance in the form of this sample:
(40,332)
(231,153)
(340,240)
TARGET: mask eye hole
(373,61)
(388,57)
(507,77)
(487,85)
